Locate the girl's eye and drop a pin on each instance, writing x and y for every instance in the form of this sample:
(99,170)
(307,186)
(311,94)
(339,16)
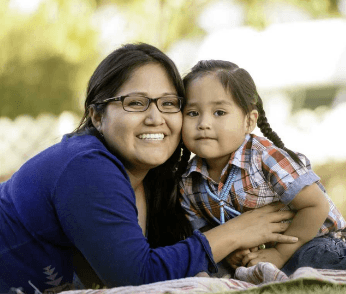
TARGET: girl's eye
(192,113)
(219,113)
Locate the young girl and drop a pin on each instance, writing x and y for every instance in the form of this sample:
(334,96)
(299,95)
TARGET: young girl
(235,171)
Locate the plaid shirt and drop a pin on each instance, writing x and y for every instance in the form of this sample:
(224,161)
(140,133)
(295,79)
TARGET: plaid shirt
(265,174)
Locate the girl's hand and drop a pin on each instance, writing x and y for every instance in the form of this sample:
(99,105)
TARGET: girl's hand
(265,255)
(235,258)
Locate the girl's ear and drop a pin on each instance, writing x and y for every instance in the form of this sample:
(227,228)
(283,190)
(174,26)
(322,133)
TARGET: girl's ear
(96,118)
(252,118)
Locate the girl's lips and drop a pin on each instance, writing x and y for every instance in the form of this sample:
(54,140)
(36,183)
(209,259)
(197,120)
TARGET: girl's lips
(205,138)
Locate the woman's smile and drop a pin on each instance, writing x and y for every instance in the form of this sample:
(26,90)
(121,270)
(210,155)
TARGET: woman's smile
(145,138)
(155,137)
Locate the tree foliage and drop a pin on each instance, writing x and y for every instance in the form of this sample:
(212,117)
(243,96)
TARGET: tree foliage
(255,15)
(47,57)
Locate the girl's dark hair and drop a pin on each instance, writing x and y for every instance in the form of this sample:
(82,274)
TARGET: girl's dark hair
(240,84)
(167,223)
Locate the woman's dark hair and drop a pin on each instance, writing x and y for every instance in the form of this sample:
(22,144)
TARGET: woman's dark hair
(240,84)
(167,223)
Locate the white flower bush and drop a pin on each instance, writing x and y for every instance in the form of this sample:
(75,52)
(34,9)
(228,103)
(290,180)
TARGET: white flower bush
(25,136)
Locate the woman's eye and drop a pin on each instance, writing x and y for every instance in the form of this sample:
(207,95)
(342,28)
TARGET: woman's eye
(135,103)
(192,113)
(219,113)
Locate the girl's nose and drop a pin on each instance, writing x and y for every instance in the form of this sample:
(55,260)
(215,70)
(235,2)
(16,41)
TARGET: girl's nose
(153,115)
(203,123)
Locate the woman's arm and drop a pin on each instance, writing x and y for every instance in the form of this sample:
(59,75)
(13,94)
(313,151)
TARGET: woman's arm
(312,210)
(96,207)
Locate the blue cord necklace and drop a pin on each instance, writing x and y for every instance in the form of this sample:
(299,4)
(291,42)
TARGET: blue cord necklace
(223,195)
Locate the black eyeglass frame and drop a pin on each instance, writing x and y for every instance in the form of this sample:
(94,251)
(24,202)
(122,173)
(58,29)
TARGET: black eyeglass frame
(122,98)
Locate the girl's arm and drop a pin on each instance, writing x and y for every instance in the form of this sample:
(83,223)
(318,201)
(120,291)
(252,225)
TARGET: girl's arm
(312,210)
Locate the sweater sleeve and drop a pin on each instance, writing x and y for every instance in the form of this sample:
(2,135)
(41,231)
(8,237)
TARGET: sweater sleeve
(96,206)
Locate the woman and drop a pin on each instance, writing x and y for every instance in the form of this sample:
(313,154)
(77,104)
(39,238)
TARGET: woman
(109,190)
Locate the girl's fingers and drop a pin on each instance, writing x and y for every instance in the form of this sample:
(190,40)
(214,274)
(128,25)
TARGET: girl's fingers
(249,257)
(253,262)
(242,253)
(254,249)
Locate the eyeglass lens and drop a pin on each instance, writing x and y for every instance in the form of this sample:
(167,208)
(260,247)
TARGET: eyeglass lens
(140,103)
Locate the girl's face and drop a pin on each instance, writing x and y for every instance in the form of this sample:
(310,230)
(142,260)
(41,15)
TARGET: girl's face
(214,126)
(142,140)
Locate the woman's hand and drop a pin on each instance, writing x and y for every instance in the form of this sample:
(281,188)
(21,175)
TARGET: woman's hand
(250,229)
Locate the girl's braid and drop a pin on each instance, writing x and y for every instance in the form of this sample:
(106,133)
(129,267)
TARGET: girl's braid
(267,131)
(265,128)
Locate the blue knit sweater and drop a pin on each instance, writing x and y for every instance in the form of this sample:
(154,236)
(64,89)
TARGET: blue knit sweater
(76,194)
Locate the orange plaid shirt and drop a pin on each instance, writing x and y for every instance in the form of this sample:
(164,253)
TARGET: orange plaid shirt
(265,174)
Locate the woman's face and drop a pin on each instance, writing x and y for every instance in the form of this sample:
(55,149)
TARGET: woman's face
(142,140)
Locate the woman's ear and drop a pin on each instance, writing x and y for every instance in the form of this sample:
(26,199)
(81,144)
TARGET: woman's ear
(252,118)
(96,118)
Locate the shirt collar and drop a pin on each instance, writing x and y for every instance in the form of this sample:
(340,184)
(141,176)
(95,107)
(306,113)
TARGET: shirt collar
(239,158)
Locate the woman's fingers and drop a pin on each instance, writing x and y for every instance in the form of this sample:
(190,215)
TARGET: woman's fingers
(284,238)
(278,227)
(272,207)
(282,215)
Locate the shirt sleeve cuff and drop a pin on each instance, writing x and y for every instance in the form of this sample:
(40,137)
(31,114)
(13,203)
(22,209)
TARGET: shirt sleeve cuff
(198,223)
(297,185)
(211,266)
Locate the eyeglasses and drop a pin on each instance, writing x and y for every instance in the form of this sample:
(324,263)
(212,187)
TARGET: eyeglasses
(139,103)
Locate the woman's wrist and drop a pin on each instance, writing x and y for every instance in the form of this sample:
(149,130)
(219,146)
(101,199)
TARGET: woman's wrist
(222,241)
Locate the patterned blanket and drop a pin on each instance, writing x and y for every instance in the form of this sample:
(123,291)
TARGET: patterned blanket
(259,275)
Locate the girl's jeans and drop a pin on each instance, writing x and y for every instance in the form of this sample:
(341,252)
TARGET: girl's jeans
(321,253)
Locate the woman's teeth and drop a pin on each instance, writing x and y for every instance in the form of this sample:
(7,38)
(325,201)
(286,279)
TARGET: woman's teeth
(151,136)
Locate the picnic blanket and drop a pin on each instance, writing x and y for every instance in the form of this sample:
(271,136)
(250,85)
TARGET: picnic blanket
(260,275)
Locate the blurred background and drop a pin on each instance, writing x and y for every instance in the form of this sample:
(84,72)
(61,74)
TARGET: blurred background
(295,50)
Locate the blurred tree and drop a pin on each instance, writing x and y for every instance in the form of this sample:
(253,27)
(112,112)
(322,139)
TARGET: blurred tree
(255,15)
(46,57)
(161,22)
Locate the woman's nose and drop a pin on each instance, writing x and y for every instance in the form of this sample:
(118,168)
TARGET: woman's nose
(153,115)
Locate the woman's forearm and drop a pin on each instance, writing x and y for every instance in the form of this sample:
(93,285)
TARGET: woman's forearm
(222,242)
